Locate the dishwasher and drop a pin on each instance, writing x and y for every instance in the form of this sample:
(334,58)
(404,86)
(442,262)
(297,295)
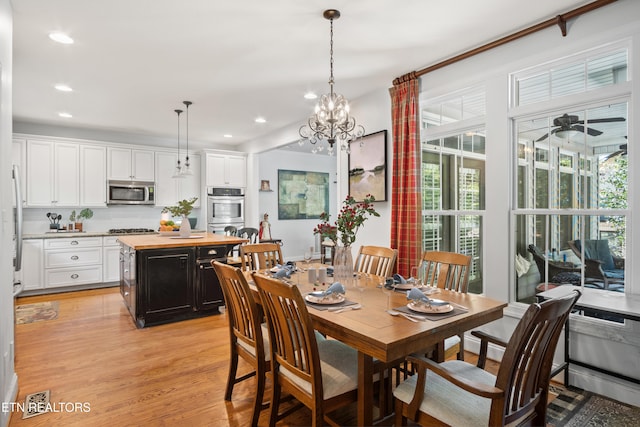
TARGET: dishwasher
(209,296)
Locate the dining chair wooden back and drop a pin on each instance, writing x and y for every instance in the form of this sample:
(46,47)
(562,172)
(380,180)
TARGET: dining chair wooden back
(458,393)
(376,260)
(260,256)
(446,270)
(248,335)
(320,374)
(248,233)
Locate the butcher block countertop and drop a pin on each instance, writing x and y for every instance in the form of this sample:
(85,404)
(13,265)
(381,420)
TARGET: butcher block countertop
(160,241)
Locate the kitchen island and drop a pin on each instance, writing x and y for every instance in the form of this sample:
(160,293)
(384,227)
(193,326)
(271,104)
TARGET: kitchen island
(165,278)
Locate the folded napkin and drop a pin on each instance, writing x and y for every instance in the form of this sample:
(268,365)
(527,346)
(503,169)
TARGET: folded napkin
(416,295)
(284,271)
(399,279)
(335,288)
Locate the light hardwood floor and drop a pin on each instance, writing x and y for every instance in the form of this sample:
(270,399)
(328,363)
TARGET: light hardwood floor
(165,375)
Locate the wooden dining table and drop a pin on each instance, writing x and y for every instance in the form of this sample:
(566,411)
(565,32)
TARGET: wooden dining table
(375,333)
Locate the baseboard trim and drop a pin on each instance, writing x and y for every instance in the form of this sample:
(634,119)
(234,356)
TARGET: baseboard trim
(11,396)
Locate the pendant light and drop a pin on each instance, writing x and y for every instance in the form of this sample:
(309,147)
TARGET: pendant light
(331,119)
(178,172)
(186,170)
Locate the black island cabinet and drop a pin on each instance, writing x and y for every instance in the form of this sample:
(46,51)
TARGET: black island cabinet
(169,284)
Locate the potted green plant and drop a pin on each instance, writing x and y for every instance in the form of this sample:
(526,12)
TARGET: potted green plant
(85,213)
(182,209)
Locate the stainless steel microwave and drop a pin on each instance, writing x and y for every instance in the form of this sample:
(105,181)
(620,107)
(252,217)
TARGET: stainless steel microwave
(131,193)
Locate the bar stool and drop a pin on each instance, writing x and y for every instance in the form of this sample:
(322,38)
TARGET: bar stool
(327,246)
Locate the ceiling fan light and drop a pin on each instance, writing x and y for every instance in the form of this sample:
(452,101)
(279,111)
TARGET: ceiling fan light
(567,134)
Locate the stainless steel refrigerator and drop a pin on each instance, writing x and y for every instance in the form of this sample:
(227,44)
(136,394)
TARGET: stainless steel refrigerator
(17,237)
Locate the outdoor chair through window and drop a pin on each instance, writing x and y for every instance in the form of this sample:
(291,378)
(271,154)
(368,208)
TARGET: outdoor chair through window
(600,263)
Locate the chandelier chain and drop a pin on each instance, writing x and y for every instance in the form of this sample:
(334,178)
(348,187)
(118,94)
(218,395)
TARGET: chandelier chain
(331,81)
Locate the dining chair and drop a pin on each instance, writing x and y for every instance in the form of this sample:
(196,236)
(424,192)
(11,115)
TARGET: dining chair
(458,393)
(260,256)
(233,254)
(248,335)
(376,260)
(249,233)
(447,270)
(320,374)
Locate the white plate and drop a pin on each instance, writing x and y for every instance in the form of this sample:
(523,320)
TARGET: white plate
(188,237)
(326,300)
(431,309)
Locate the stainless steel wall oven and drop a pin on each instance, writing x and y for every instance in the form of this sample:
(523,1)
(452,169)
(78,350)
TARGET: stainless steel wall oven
(225,206)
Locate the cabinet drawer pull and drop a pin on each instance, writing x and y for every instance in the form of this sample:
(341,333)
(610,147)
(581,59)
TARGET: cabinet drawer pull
(74,242)
(74,276)
(212,252)
(75,257)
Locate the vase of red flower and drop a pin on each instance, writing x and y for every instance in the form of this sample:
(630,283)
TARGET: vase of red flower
(343,232)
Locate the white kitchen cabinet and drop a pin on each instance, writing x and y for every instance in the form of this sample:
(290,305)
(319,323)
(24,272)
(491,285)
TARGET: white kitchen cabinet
(110,259)
(170,190)
(93,175)
(130,164)
(224,170)
(72,261)
(52,174)
(32,267)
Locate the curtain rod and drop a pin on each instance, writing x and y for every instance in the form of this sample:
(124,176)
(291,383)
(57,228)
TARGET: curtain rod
(560,20)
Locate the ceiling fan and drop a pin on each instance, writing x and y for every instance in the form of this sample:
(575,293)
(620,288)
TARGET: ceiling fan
(622,150)
(568,123)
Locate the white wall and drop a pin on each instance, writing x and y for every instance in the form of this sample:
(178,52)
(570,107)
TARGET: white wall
(296,234)
(374,113)
(8,377)
(592,341)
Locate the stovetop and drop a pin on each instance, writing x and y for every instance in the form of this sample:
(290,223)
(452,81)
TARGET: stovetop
(131,231)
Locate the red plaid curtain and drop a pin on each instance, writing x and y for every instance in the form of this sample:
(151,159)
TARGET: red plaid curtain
(406,201)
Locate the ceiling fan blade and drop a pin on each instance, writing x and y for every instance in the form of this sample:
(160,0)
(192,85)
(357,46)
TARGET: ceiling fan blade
(622,151)
(605,120)
(543,137)
(590,131)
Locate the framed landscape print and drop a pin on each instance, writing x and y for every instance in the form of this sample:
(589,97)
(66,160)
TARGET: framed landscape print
(302,195)
(368,167)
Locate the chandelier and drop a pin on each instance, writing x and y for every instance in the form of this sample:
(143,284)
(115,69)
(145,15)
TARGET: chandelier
(331,119)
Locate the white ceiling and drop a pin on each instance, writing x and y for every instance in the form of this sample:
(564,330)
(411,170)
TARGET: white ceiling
(134,61)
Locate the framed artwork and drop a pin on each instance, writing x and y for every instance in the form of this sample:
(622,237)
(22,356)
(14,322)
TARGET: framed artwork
(368,167)
(302,195)
(265,186)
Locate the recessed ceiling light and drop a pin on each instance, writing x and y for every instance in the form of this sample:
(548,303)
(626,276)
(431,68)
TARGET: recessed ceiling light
(65,115)
(228,135)
(261,120)
(61,38)
(310,95)
(63,88)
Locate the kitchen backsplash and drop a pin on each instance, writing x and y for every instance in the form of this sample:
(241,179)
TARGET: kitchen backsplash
(36,221)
